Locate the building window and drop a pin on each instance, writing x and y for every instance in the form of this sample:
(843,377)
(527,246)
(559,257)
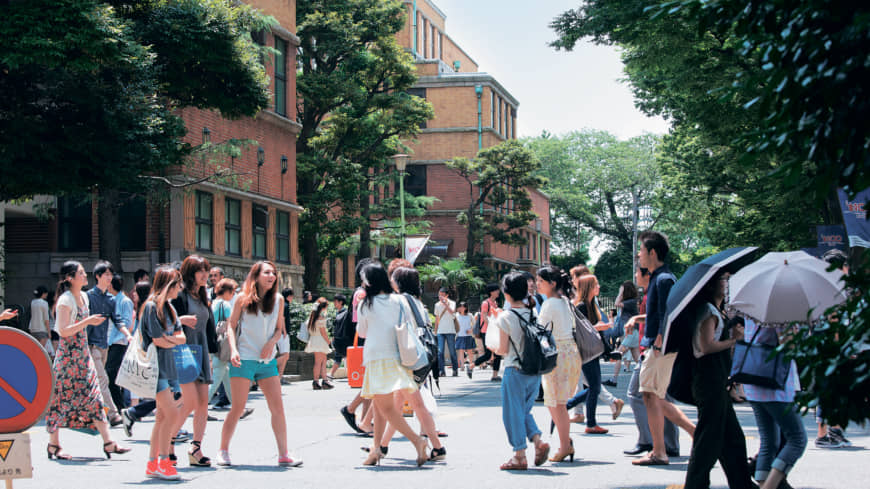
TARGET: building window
(74,224)
(415,180)
(204,223)
(282,236)
(332,272)
(280,76)
(535,247)
(132,225)
(233,227)
(492,107)
(500,119)
(440,45)
(345,265)
(260,221)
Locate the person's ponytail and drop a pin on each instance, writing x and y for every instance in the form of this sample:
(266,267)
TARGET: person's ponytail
(67,271)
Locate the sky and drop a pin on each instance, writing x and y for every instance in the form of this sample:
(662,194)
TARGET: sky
(558,91)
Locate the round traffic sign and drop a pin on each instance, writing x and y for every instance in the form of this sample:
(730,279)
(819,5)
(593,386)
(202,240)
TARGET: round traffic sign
(26,380)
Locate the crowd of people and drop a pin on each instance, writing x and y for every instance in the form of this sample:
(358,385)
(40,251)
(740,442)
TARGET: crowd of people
(238,339)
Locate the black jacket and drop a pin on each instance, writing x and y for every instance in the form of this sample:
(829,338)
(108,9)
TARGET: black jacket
(181,308)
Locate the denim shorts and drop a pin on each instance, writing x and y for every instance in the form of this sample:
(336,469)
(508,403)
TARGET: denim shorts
(163,384)
(254,370)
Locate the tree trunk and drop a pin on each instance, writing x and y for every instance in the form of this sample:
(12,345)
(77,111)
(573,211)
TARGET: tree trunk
(365,231)
(109,222)
(312,261)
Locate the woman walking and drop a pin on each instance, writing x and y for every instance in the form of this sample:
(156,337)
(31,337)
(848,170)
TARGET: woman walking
(560,383)
(318,343)
(221,309)
(39,326)
(718,435)
(584,301)
(160,325)
(518,390)
(488,312)
(76,399)
(777,417)
(465,347)
(193,305)
(258,322)
(406,281)
(378,315)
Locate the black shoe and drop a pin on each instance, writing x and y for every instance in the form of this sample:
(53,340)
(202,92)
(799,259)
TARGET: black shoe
(638,449)
(221,407)
(552,426)
(212,418)
(128,422)
(351,419)
(246,413)
(673,453)
(438,454)
(609,383)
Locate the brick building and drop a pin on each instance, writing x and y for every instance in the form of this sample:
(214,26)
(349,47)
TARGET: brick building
(473,111)
(233,224)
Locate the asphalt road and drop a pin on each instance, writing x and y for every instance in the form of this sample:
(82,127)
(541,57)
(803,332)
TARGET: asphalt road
(468,410)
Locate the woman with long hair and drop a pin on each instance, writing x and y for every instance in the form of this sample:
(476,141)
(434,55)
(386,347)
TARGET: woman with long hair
(489,310)
(587,290)
(717,435)
(560,383)
(159,324)
(406,281)
(255,327)
(76,401)
(384,375)
(194,308)
(318,343)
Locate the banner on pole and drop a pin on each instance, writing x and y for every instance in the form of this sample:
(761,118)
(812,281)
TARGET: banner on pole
(413,248)
(855,217)
(831,237)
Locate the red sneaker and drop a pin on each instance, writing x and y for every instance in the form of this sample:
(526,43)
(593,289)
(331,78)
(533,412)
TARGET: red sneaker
(596,430)
(151,469)
(166,471)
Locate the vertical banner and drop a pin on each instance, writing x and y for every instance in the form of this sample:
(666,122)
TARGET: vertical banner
(413,248)
(855,217)
(831,237)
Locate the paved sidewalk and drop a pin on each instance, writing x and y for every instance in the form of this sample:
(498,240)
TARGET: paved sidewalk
(469,411)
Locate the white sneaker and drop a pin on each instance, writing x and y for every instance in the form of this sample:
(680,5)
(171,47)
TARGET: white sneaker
(289,460)
(223,458)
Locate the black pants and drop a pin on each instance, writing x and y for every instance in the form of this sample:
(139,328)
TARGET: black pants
(113,363)
(718,435)
(496,362)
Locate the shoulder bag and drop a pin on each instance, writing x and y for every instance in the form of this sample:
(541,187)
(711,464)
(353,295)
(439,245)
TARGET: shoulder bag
(759,364)
(589,342)
(139,370)
(411,349)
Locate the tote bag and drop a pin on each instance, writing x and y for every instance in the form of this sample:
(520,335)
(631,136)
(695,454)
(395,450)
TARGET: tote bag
(186,363)
(589,342)
(759,364)
(139,370)
(411,350)
(355,370)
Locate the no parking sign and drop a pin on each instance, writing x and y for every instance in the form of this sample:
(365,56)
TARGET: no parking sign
(26,380)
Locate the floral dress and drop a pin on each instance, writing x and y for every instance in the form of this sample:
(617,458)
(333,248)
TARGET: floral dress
(76,401)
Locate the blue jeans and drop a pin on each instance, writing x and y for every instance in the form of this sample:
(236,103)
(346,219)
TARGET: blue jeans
(773,417)
(518,394)
(592,372)
(220,374)
(450,340)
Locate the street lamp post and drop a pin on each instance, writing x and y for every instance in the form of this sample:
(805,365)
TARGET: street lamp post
(401,163)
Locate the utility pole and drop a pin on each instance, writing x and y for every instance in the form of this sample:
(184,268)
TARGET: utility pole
(635,210)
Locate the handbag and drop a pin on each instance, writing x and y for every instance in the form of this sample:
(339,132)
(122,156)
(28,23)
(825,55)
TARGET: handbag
(411,349)
(428,363)
(186,365)
(759,364)
(223,338)
(303,335)
(355,369)
(589,342)
(139,369)
(475,330)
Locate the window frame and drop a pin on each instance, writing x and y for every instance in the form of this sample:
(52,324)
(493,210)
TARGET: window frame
(281,76)
(279,237)
(201,223)
(255,233)
(75,222)
(230,227)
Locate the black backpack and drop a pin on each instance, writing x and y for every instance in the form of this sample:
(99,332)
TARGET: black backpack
(539,348)
(429,342)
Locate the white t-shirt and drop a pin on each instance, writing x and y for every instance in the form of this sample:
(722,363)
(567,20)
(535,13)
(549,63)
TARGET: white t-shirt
(445,325)
(464,324)
(508,322)
(257,329)
(708,311)
(558,311)
(38,316)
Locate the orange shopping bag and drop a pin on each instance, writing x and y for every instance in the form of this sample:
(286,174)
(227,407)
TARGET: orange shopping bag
(355,369)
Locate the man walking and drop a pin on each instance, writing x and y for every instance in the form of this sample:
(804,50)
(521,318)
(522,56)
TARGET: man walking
(100,302)
(654,372)
(445,317)
(120,336)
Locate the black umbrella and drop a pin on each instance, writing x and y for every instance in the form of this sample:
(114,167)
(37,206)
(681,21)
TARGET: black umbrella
(678,325)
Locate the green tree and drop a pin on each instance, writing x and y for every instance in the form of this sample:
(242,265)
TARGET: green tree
(93,105)
(499,179)
(354,111)
(456,275)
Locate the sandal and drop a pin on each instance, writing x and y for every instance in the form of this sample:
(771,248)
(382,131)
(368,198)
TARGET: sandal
(515,464)
(54,451)
(422,456)
(194,461)
(542,451)
(115,448)
(650,460)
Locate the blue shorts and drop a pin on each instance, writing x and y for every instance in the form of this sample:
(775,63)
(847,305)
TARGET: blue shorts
(254,370)
(163,384)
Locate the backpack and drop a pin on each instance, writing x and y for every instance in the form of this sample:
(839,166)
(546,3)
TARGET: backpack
(430,343)
(539,348)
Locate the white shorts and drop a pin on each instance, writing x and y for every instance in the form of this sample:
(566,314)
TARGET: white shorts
(655,373)
(283,344)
